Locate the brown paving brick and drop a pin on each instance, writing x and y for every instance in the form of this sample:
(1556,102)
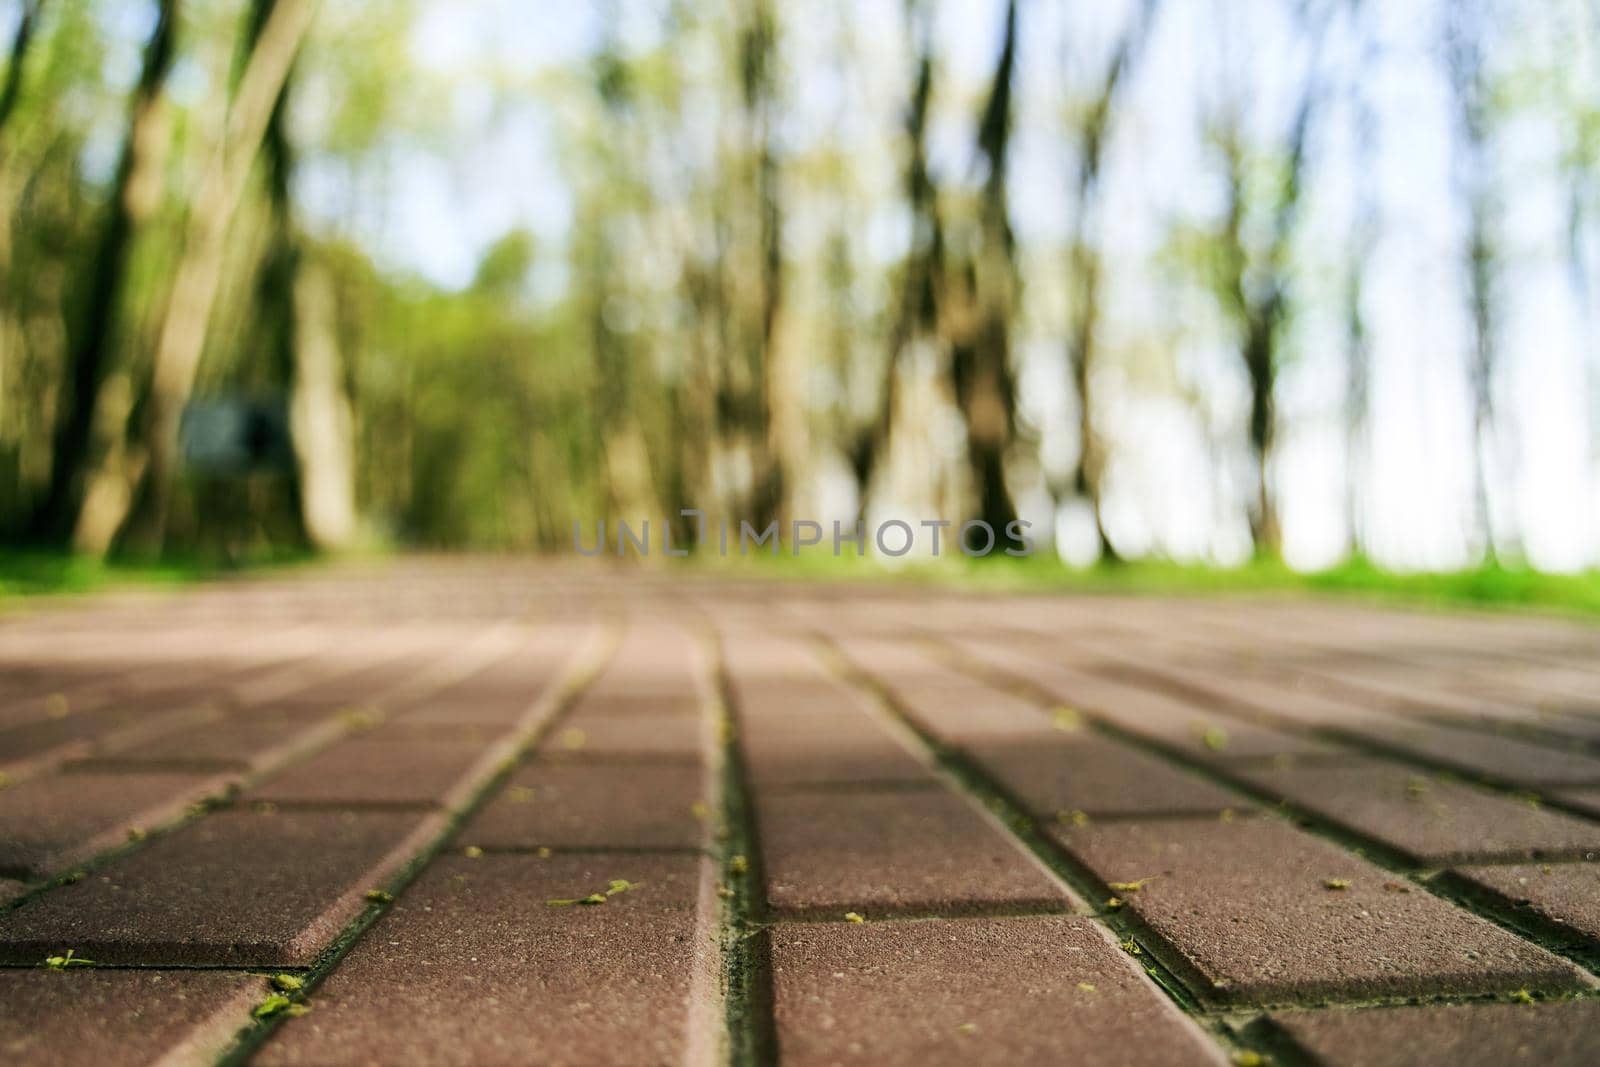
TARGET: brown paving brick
(1561,1034)
(457,708)
(54,820)
(1078,771)
(472,966)
(1216,740)
(236,887)
(1565,895)
(1502,758)
(1428,817)
(627,736)
(613,694)
(377,771)
(959,711)
(594,805)
(88,1016)
(825,748)
(801,698)
(236,741)
(1034,989)
(71,734)
(500,693)
(1246,915)
(907,851)
(1199,728)
(1585,800)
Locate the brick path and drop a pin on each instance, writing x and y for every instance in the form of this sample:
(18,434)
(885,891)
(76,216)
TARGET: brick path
(477,812)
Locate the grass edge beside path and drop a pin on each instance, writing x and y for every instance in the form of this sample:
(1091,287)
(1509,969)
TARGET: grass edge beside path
(28,575)
(1490,588)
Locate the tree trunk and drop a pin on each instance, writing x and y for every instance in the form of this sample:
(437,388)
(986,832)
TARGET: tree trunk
(133,195)
(321,419)
(1358,343)
(198,276)
(1463,47)
(761,424)
(916,311)
(980,355)
(27,23)
(1085,265)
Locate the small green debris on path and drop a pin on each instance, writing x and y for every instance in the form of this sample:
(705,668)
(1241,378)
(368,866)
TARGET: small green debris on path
(1133,886)
(288,983)
(617,885)
(1335,883)
(61,963)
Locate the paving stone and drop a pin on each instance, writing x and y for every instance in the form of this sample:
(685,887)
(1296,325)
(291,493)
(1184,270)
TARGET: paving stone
(611,695)
(1499,757)
(71,734)
(1565,895)
(1245,913)
(90,1016)
(1200,729)
(1428,817)
(587,734)
(826,748)
(236,887)
(1035,989)
(1558,1034)
(236,741)
(377,772)
(584,805)
(907,851)
(959,711)
(1585,800)
(1079,771)
(501,693)
(49,822)
(472,966)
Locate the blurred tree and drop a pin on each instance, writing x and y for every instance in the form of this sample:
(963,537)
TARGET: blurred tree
(749,390)
(1248,262)
(1363,242)
(915,315)
(1084,254)
(131,198)
(21,39)
(150,468)
(1464,65)
(979,303)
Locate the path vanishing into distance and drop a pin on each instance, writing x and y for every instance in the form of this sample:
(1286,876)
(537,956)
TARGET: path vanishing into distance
(488,811)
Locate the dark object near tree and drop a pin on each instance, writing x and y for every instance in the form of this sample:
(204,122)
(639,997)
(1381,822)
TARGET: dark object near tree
(236,436)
